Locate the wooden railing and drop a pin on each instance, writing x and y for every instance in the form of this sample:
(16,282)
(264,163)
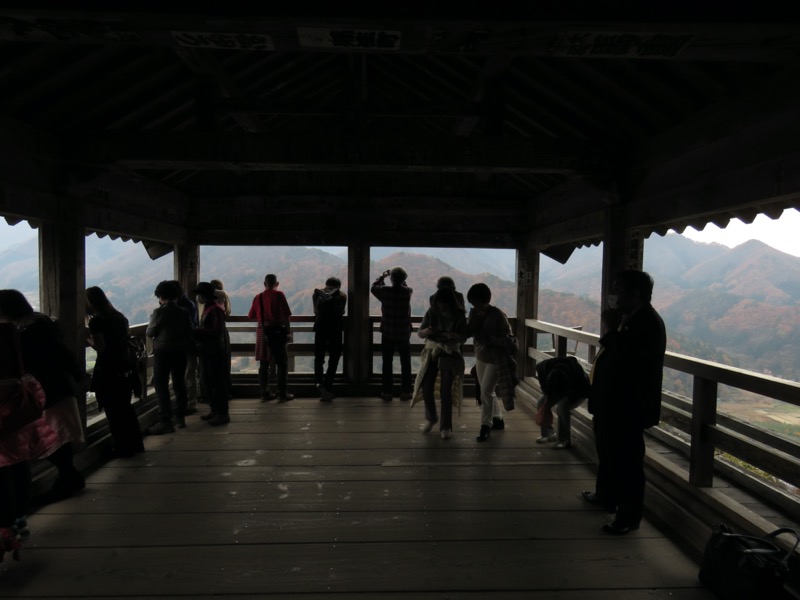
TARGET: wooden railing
(301,324)
(707,430)
(304,324)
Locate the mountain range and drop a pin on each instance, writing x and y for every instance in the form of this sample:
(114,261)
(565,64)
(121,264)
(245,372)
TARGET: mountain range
(738,306)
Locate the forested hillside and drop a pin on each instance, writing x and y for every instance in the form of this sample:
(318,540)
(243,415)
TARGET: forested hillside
(739,306)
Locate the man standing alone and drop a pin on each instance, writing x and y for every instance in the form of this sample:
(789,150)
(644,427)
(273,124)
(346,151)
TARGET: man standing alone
(395,329)
(271,310)
(625,399)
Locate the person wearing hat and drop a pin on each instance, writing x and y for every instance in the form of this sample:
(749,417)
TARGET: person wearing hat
(214,354)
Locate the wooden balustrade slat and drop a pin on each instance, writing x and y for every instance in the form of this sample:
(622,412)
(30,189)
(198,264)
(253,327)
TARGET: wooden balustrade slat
(777,463)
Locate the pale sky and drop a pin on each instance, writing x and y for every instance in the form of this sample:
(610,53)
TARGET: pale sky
(782,233)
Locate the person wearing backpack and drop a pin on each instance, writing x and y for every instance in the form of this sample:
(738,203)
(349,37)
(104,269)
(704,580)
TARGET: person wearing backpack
(329,304)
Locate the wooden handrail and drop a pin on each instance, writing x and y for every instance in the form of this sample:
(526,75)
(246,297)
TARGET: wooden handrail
(699,417)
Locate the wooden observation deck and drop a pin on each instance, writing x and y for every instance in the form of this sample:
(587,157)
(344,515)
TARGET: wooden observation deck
(542,129)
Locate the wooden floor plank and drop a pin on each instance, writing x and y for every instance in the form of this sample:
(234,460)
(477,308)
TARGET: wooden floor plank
(388,457)
(236,497)
(303,500)
(358,568)
(116,472)
(71,530)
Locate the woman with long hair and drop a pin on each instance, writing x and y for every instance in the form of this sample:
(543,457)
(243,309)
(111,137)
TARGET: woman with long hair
(111,378)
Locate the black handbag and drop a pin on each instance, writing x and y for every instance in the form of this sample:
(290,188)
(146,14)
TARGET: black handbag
(743,567)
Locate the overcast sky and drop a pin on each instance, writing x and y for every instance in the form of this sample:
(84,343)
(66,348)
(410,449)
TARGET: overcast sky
(782,233)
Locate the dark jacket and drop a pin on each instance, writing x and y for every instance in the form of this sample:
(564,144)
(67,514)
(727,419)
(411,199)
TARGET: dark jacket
(170,327)
(329,305)
(573,382)
(112,360)
(48,359)
(190,307)
(628,372)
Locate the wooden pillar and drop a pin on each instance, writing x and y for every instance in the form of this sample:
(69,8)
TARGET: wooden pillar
(704,415)
(186,266)
(62,277)
(358,333)
(527,305)
(623,247)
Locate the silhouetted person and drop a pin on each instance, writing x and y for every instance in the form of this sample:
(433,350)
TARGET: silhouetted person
(192,369)
(565,386)
(329,304)
(171,329)
(444,329)
(489,327)
(272,312)
(395,302)
(112,378)
(53,364)
(18,445)
(447,282)
(213,346)
(625,399)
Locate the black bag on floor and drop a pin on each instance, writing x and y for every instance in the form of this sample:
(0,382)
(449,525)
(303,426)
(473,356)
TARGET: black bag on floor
(743,567)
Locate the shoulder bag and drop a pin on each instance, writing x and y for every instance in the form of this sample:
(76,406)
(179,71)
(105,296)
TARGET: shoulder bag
(743,567)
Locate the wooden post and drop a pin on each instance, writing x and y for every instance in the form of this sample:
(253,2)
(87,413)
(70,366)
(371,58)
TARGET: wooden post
(186,266)
(358,334)
(561,346)
(62,276)
(704,414)
(623,248)
(527,305)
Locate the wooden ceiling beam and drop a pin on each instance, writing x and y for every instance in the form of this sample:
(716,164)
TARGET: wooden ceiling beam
(203,64)
(724,121)
(697,37)
(250,152)
(303,205)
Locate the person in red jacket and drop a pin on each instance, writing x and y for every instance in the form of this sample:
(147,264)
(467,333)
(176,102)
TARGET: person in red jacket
(271,310)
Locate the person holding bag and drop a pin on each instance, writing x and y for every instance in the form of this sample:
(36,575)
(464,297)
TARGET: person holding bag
(494,364)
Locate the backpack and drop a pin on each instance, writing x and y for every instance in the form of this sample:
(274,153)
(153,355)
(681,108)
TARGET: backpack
(135,356)
(329,306)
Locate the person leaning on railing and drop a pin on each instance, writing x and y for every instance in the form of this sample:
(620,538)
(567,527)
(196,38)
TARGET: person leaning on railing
(113,375)
(329,304)
(272,312)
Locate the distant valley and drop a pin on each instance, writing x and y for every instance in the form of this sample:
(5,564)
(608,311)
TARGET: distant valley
(738,306)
